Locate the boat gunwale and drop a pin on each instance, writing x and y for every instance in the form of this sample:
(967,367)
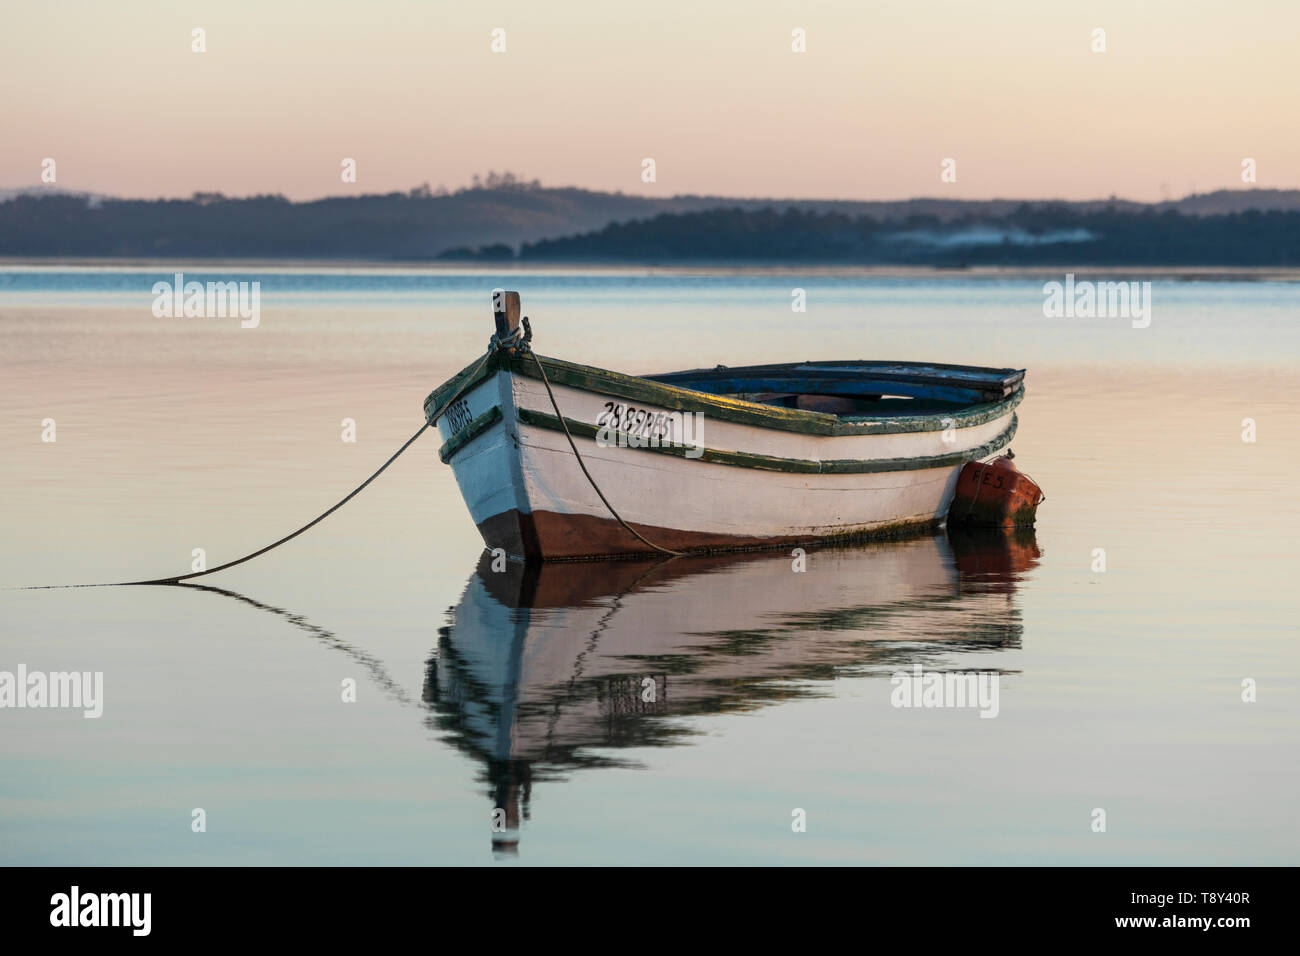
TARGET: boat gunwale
(740,411)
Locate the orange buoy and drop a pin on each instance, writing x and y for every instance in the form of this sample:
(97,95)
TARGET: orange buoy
(995,494)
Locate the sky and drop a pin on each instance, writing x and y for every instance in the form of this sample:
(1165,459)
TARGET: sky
(711,90)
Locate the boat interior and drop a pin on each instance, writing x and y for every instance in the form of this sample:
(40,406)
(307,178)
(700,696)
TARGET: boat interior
(856,389)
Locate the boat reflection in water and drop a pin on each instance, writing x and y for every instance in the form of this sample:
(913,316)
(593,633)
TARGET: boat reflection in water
(545,669)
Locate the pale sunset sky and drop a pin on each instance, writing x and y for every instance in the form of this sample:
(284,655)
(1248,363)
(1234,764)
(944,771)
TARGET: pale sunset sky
(712,91)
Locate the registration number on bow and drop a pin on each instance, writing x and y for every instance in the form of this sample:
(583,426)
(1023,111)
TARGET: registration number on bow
(640,422)
(458,415)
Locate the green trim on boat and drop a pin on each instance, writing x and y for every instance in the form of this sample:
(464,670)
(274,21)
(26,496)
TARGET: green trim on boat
(677,399)
(467,434)
(722,407)
(741,459)
(444,391)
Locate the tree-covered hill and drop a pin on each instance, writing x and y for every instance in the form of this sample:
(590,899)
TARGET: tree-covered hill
(505,218)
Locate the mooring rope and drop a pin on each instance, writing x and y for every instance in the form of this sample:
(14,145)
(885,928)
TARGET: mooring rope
(177,579)
(518,340)
(523,346)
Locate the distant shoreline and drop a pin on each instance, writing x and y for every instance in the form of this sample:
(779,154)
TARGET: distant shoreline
(828,271)
(1235,233)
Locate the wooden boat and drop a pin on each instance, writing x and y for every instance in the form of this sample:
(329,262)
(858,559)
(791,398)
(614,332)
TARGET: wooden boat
(709,459)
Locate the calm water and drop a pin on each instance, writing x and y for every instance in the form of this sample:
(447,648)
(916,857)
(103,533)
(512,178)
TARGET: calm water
(1119,690)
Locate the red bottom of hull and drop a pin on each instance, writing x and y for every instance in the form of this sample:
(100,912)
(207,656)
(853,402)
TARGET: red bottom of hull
(550,536)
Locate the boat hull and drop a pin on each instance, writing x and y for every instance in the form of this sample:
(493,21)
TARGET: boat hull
(747,477)
(550,535)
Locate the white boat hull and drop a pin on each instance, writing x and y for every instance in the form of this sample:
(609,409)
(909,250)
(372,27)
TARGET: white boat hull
(751,486)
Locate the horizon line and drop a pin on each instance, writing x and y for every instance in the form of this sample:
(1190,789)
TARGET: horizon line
(53,189)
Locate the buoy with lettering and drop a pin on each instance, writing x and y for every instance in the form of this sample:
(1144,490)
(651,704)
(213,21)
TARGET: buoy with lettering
(995,494)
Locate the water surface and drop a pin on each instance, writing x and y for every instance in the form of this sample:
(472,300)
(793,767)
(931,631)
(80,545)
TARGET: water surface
(1119,690)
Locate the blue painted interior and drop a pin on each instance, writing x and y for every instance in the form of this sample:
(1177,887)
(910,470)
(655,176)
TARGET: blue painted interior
(861,387)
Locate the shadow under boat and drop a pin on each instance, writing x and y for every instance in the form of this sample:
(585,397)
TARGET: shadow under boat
(548,668)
